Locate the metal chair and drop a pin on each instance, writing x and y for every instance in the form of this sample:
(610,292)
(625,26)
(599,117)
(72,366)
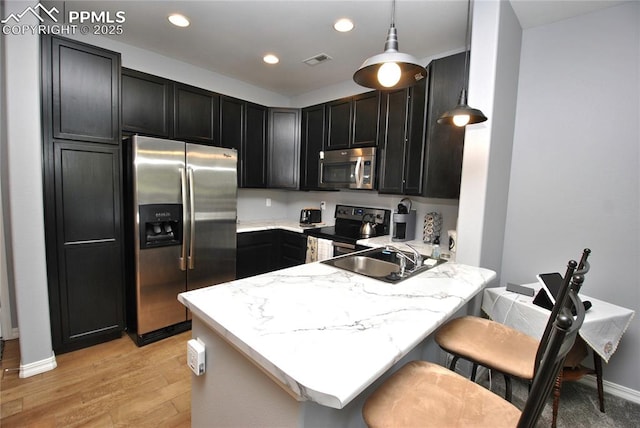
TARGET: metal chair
(426,394)
(504,349)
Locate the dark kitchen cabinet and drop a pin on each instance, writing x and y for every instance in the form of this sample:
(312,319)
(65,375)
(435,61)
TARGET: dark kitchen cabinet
(444,144)
(85,91)
(256,252)
(231,122)
(82,192)
(243,126)
(253,156)
(283,148)
(313,137)
(365,120)
(269,250)
(401,153)
(339,124)
(293,248)
(147,104)
(196,115)
(353,121)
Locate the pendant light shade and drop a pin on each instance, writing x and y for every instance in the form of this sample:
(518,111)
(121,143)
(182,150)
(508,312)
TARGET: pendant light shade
(390,69)
(462,114)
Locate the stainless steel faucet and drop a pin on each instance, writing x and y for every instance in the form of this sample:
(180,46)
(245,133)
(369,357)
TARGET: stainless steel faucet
(416,260)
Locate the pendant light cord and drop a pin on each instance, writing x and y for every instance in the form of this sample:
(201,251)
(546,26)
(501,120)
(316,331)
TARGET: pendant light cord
(467,48)
(393,13)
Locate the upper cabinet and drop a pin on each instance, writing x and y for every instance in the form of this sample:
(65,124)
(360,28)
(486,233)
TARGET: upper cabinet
(196,115)
(443,144)
(353,121)
(313,137)
(401,151)
(418,156)
(231,122)
(365,119)
(284,148)
(85,86)
(147,104)
(253,169)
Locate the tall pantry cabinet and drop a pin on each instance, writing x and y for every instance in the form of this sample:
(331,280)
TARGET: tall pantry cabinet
(82,192)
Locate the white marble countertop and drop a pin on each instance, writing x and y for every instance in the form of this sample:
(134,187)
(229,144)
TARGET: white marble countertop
(256,225)
(327,333)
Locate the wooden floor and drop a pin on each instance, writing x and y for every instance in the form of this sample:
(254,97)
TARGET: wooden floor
(115,384)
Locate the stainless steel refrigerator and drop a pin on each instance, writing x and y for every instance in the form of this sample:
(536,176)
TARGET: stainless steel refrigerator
(183,200)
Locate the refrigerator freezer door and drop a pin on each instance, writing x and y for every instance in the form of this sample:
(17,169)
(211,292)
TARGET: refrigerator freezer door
(213,195)
(157,180)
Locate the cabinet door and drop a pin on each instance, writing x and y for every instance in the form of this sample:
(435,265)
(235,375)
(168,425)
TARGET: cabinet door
(196,114)
(338,124)
(414,156)
(87,295)
(366,113)
(444,144)
(392,154)
(231,122)
(313,139)
(147,104)
(257,252)
(253,164)
(293,248)
(284,148)
(85,85)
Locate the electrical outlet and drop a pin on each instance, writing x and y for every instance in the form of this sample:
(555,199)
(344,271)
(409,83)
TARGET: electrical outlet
(323,205)
(195,356)
(268,202)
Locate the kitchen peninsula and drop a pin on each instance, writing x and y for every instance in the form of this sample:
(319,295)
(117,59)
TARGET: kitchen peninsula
(297,347)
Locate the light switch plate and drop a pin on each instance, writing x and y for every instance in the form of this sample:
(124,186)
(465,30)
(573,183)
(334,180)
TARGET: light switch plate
(196,356)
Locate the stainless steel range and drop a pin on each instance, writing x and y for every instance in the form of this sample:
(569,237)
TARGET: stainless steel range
(348,226)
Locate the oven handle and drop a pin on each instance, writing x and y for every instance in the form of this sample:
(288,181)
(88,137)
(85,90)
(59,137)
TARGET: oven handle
(344,245)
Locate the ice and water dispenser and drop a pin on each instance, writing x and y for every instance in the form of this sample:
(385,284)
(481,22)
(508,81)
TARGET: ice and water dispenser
(160,225)
(404,222)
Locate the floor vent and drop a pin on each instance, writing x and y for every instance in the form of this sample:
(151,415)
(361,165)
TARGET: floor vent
(317,59)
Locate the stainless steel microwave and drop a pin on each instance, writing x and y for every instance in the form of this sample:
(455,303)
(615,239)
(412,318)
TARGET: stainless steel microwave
(348,169)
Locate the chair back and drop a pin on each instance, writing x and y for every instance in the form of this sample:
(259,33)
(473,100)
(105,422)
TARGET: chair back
(563,335)
(573,278)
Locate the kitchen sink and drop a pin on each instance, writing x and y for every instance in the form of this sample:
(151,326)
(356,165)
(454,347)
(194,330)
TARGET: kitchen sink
(382,264)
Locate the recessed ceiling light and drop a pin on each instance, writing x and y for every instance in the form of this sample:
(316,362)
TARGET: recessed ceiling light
(271,59)
(343,25)
(179,20)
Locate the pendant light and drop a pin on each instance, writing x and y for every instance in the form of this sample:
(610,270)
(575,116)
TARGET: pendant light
(390,69)
(462,114)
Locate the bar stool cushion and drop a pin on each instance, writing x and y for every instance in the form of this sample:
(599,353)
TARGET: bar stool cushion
(424,394)
(503,348)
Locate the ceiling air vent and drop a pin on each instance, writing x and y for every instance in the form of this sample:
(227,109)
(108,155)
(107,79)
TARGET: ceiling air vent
(317,59)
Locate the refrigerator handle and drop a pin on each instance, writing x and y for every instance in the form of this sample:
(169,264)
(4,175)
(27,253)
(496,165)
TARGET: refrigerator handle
(192,220)
(183,247)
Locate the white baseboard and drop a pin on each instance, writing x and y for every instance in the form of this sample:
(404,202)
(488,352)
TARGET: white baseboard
(613,389)
(37,367)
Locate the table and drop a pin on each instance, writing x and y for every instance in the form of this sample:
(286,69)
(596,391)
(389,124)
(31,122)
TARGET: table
(603,326)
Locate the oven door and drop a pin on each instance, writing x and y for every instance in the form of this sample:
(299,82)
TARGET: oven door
(351,169)
(342,248)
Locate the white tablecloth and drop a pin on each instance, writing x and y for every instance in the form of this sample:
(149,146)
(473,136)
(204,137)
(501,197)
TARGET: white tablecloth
(603,327)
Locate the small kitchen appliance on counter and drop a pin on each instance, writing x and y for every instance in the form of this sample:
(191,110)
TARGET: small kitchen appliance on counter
(404,222)
(310,216)
(349,226)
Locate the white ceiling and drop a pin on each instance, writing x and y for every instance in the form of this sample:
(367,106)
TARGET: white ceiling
(231,37)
